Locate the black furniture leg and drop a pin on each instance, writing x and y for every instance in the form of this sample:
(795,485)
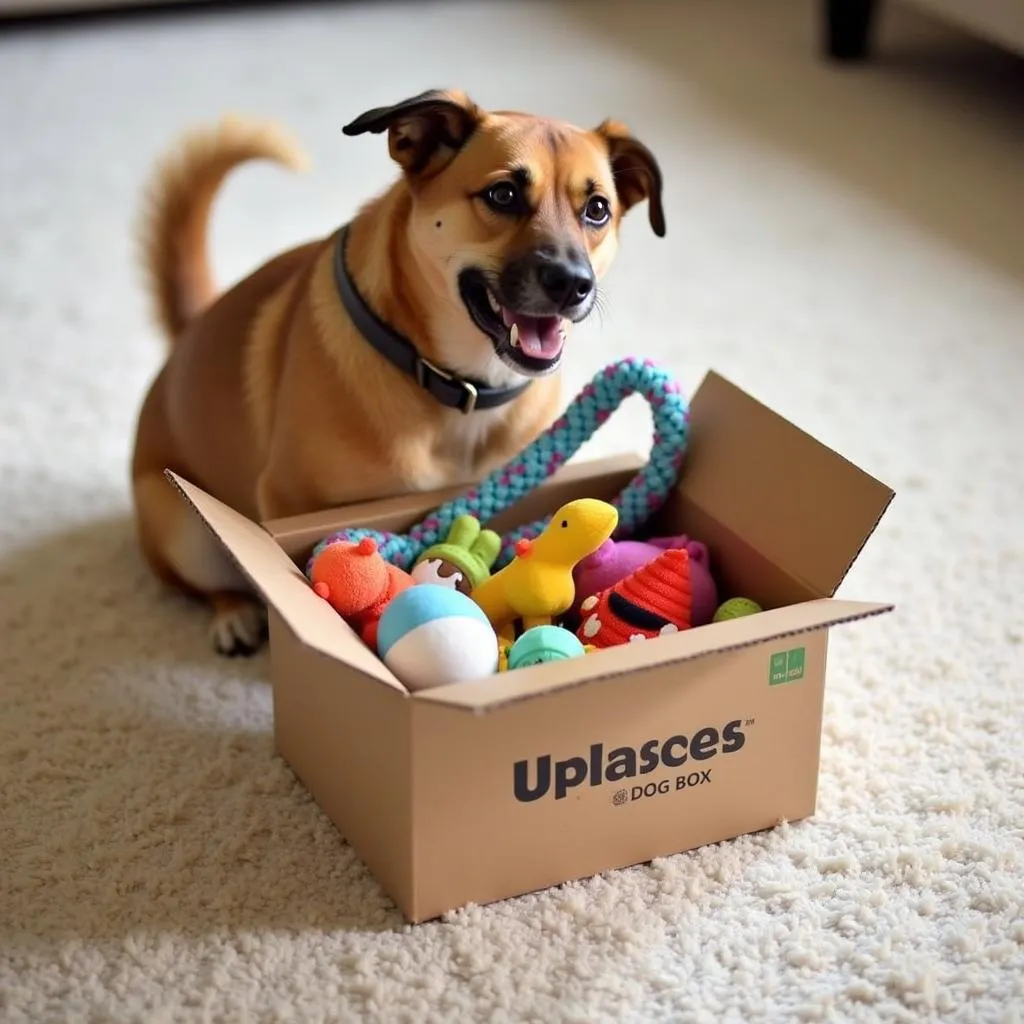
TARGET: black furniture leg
(847,28)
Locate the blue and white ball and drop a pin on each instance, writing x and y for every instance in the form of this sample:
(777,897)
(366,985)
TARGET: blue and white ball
(430,636)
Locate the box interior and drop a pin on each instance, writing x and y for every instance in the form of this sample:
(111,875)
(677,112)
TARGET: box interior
(783,516)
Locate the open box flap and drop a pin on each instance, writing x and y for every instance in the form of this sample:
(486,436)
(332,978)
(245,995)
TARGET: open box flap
(716,638)
(798,503)
(282,585)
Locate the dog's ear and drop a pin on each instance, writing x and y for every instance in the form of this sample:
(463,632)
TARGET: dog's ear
(637,174)
(425,131)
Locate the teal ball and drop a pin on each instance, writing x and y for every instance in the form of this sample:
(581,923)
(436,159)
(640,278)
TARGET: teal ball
(544,643)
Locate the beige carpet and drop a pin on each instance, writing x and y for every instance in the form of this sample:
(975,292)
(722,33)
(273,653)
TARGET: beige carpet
(847,244)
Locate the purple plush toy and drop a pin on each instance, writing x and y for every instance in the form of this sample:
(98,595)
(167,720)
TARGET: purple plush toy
(613,561)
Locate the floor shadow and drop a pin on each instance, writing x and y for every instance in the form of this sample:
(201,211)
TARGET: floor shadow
(932,125)
(141,788)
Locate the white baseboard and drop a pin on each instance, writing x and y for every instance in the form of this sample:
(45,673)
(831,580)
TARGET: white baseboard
(23,8)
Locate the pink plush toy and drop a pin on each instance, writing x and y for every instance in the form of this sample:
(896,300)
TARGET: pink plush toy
(613,561)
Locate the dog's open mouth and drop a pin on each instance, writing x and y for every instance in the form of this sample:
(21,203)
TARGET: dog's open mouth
(531,345)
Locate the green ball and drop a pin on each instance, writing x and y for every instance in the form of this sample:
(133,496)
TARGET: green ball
(735,608)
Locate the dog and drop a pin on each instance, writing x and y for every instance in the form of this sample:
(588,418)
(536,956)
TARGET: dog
(414,348)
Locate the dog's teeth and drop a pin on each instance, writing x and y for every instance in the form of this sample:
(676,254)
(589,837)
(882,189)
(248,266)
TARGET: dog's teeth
(493,301)
(513,335)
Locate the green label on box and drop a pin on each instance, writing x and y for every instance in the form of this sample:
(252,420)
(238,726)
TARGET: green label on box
(786,667)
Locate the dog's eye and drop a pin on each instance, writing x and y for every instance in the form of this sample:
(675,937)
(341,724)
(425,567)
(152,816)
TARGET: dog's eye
(597,211)
(503,197)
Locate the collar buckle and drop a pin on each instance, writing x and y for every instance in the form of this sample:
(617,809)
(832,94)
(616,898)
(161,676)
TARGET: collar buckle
(469,392)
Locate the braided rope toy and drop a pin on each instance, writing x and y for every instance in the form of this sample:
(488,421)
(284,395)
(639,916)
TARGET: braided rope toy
(641,497)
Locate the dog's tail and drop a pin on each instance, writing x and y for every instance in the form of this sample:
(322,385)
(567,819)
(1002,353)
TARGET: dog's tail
(177,210)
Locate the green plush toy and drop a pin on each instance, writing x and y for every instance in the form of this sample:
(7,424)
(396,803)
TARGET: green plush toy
(463,560)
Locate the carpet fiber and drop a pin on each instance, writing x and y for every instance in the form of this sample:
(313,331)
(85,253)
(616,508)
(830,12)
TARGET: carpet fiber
(844,243)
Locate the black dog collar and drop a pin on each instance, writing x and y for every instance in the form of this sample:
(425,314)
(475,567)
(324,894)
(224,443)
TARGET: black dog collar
(449,389)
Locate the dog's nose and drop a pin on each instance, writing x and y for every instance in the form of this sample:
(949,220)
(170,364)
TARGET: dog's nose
(566,282)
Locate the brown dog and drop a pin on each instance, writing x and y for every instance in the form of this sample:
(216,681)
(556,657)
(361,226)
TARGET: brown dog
(417,348)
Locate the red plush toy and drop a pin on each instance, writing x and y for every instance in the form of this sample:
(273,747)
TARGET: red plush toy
(358,584)
(654,600)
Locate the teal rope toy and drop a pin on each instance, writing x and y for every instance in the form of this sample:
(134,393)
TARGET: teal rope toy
(640,499)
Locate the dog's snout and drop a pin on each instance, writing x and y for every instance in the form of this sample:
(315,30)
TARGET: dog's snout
(565,282)
(549,280)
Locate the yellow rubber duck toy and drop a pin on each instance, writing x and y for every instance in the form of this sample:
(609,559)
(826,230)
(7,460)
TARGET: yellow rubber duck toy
(537,585)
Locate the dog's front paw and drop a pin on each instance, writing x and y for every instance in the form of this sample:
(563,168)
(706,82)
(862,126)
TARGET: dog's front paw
(238,628)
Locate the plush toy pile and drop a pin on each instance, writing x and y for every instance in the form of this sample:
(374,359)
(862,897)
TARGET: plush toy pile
(570,591)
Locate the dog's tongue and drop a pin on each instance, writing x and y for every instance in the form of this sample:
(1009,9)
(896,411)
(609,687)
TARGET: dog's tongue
(540,337)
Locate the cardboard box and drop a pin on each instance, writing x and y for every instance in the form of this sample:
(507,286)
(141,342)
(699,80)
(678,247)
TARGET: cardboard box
(477,792)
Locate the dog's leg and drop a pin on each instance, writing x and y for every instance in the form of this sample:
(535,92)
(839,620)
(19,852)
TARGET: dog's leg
(183,553)
(239,624)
